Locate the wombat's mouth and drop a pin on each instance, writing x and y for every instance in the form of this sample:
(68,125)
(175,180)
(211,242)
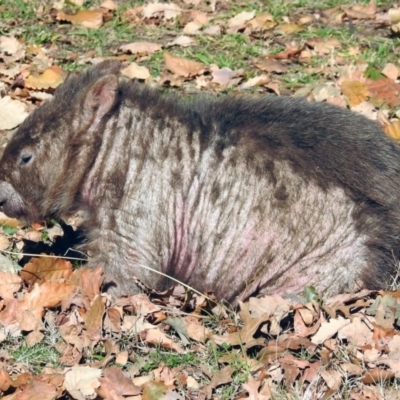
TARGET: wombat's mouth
(22,215)
(12,204)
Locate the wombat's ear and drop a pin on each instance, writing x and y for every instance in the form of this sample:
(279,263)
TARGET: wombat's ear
(100,97)
(108,67)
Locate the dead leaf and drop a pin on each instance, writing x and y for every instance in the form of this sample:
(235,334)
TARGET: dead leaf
(377,376)
(140,47)
(36,389)
(323,46)
(271,65)
(239,21)
(135,71)
(4,243)
(182,40)
(221,377)
(51,78)
(391,71)
(288,29)
(223,76)
(87,18)
(11,49)
(48,294)
(12,112)
(384,90)
(94,315)
(332,378)
(394,15)
(9,284)
(256,81)
(165,10)
(46,268)
(82,381)
(108,4)
(157,338)
(182,66)
(392,129)
(328,329)
(114,385)
(192,28)
(355,91)
(88,280)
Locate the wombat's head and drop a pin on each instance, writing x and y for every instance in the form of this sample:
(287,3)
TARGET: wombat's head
(45,161)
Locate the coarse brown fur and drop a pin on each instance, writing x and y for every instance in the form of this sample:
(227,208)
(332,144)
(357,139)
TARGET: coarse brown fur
(234,195)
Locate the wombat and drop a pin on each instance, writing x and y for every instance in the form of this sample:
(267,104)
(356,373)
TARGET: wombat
(239,196)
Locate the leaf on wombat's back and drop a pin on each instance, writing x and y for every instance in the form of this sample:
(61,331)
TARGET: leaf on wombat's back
(51,78)
(12,112)
(87,18)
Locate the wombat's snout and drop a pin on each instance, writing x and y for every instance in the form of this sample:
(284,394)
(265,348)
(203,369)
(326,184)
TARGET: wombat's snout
(3,196)
(11,202)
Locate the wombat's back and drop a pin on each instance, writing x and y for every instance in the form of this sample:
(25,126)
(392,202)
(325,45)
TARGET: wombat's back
(241,196)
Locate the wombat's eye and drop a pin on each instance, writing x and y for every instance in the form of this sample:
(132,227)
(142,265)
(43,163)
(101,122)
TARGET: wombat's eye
(25,158)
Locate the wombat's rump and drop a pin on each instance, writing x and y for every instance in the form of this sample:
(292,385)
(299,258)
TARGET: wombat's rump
(234,195)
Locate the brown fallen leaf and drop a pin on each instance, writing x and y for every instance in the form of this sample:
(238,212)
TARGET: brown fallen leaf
(223,76)
(328,329)
(51,78)
(5,380)
(94,315)
(46,268)
(108,4)
(392,129)
(11,49)
(323,46)
(82,381)
(221,377)
(140,47)
(182,66)
(115,384)
(271,65)
(384,90)
(157,338)
(377,375)
(87,18)
(35,389)
(164,10)
(12,112)
(391,71)
(135,71)
(290,52)
(288,29)
(333,378)
(239,21)
(9,284)
(89,281)
(48,294)
(355,91)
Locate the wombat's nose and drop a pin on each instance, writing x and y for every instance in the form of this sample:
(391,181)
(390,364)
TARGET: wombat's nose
(2,202)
